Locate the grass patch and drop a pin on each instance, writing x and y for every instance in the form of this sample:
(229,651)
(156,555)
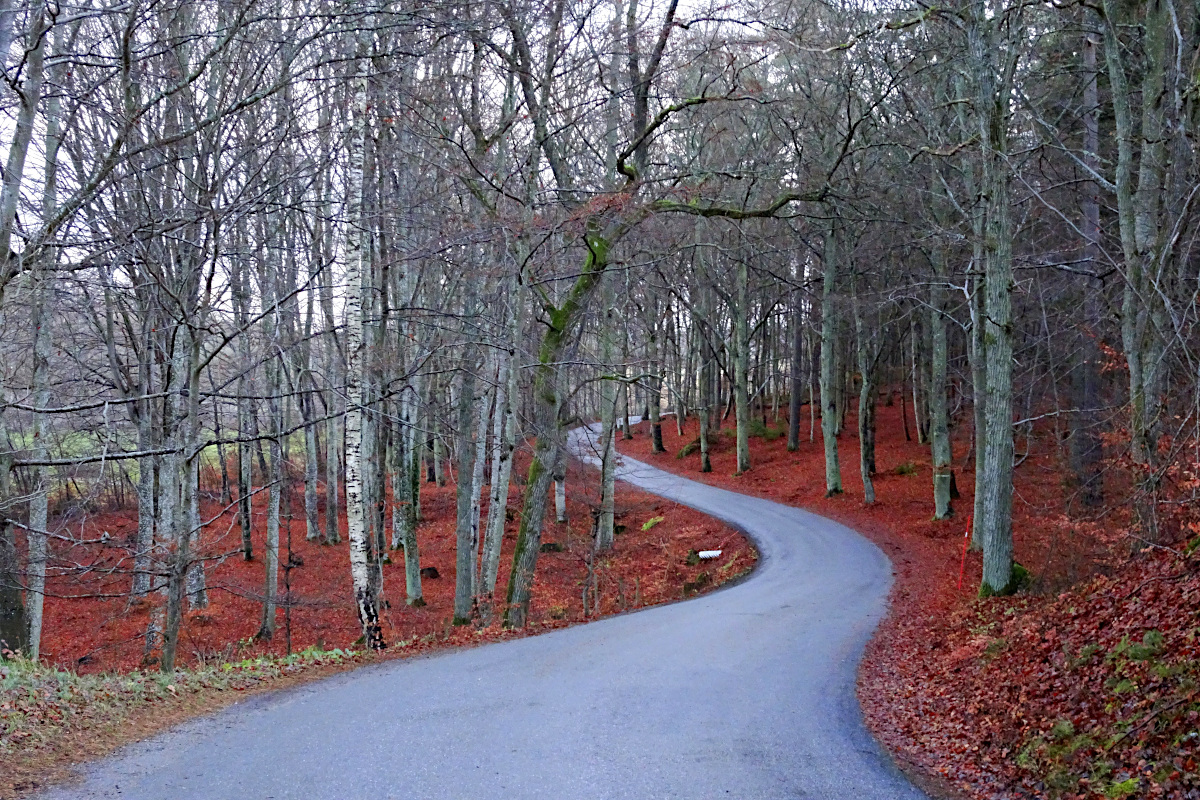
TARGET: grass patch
(39,703)
(1123,789)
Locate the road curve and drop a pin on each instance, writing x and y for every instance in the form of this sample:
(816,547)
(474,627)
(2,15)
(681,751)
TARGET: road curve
(744,693)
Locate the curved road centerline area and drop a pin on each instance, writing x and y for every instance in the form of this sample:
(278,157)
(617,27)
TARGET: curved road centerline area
(744,693)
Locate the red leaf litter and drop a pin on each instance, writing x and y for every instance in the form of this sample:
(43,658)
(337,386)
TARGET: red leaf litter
(90,625)
(1084,686)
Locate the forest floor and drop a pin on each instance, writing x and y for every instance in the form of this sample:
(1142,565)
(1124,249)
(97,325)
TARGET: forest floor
(96,688)
(1084,685)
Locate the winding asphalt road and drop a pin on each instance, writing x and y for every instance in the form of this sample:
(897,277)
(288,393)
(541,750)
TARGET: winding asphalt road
(744,693)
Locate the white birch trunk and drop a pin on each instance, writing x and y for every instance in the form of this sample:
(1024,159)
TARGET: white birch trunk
(560,490)
(357,262)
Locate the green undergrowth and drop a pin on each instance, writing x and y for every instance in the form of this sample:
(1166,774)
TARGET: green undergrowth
(1020,580)
(768,433)
(39,703)
(1146,711)
(650,523)
(755,429)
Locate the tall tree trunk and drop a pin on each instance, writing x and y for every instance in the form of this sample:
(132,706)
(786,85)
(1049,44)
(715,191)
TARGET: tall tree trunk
(35,592)
(654,389)
(920,407)
(172,511)
(741,358)
(43,287)
(277,481)
(813,358)
(312,520)
(1086,448)
(222,455)
(1140,212)
(332,472)
(939,424)
(505,438)
(357,256)
(333,430)
(142,582)
(503,444)
(405,489)
(245,412)
(797,374)
(866,403)
(13,624)
(708,374)
(13,621)
(979,354)
(483,406)
(606,521)
(829,328)
(195,580)
(401,486)
(306,401)
(438,448)
(468,419)
(563,321)
(681,361)
(995,481)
